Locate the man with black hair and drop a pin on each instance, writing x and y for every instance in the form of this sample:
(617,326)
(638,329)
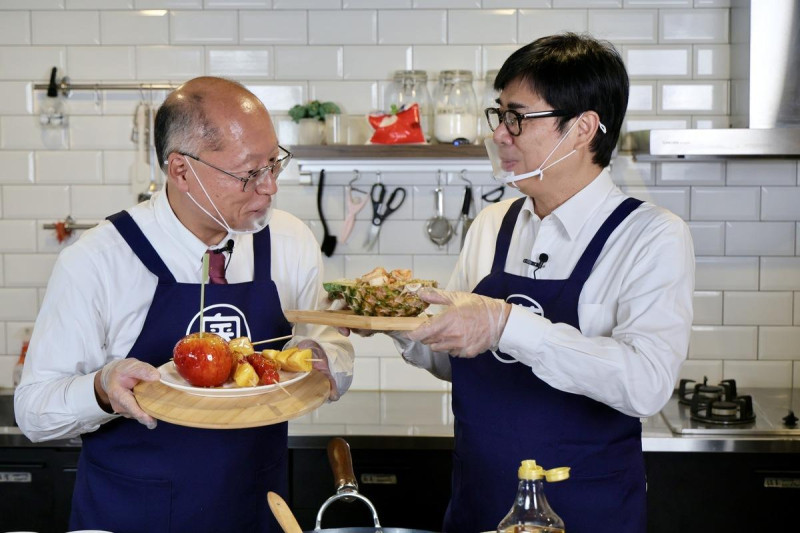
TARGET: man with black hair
(569,311)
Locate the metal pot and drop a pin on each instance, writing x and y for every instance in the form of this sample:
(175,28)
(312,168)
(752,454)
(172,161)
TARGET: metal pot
(346,489)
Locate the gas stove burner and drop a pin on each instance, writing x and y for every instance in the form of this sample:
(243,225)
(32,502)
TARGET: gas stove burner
(716,404)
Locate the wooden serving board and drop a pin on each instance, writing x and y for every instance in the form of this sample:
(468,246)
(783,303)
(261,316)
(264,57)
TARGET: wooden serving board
(177,407)
(346,319)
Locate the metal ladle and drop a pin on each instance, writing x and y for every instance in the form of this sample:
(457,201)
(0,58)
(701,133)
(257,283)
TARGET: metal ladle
(438,227)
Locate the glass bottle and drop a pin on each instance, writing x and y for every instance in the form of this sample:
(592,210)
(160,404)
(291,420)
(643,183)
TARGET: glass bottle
(490,96)
(531,512)
(456,110)
(408,87)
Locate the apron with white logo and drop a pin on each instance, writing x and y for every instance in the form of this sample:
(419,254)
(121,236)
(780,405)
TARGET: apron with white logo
(505,414)
(176,478)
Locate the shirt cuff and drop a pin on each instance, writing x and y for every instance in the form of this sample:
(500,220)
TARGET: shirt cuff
(523,334)
(80,395)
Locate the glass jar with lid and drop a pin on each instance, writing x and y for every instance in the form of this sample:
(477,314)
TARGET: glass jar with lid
(456,110)
(490,96)
(408,87)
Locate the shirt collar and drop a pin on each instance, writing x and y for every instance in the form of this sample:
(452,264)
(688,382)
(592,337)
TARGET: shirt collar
(574,213)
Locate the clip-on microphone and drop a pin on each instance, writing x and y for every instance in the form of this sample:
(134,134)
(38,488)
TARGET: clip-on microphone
(227,248)
(538,264)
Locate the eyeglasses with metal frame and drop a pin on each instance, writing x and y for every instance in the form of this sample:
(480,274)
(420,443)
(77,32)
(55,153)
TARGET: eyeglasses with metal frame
(275,168)
(513,120)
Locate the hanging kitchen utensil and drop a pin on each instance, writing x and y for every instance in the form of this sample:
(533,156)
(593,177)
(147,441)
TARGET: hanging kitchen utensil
(328,240)
(438,227)
(139,170)
(382,207)
(151,154)
(494,195)
(354,206)
(465,219)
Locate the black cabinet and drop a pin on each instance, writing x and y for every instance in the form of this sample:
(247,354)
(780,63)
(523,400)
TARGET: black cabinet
(701,492)
(36,488)
(406,479)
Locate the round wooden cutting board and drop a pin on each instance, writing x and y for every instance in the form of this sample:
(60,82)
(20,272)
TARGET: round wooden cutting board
(178,407)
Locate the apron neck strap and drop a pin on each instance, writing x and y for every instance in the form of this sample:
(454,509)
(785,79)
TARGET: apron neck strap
(504,236)
(586,263)
(262,254)
(133,235)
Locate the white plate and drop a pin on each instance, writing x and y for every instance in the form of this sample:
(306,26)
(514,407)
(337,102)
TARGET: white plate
(171,378)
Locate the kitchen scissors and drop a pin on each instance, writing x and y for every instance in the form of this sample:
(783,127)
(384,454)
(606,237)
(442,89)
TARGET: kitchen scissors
(382,207)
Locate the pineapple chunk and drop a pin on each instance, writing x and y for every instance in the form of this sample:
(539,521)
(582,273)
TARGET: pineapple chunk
(245,375)
(283,356)
(272,355)
(291,359)
(299,361)
(241,347)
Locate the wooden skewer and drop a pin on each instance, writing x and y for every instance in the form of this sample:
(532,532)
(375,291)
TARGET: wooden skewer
(273,340)
(283,388)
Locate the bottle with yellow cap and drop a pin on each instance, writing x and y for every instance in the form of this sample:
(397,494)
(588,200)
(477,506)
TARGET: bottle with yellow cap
(531,512)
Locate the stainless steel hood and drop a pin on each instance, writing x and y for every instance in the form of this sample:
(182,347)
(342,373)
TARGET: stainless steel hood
(765,92)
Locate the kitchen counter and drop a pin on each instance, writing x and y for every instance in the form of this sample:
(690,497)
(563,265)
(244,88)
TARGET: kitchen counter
(424,420)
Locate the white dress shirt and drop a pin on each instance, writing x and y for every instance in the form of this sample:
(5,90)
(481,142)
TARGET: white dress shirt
(635,310)
(99,294)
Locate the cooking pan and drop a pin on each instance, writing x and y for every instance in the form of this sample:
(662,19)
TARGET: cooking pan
(346,490)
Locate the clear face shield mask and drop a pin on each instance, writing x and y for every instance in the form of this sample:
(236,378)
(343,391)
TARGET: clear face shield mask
(508,177)
(256,226)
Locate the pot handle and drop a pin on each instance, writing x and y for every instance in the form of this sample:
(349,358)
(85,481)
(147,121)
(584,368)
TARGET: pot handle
(342,465)
(345,480)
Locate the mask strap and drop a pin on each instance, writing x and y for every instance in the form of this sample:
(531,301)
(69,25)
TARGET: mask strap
(541,175)
(541,168)
(222,223)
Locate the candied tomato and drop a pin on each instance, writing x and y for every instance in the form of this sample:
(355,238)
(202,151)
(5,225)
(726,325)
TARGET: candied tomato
(266,369)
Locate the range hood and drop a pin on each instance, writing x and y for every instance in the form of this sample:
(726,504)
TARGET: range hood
(765,92)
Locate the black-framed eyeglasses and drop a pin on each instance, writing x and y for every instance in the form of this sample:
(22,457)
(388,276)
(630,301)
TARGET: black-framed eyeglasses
(275,168)
(513,120)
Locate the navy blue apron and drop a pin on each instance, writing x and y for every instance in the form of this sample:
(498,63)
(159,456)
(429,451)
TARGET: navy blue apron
(176,478)
(504,414)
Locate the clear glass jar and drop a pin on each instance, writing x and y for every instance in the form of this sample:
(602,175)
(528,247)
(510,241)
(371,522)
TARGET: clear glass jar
(456,110)
(489,100)
(408,87)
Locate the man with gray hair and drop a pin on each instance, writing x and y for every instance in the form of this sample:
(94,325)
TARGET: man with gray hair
(124,294)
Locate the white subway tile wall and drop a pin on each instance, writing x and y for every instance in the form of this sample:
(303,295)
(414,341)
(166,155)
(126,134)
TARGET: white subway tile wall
(743,214)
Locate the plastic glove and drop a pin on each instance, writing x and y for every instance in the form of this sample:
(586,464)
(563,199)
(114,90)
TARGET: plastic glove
(118,378)
(470,325)
(320,363)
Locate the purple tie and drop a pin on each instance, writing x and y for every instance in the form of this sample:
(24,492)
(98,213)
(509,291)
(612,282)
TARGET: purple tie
(216,268)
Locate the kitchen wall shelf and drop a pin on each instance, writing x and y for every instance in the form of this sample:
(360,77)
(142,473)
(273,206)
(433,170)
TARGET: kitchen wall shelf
(378,151)
(406,158)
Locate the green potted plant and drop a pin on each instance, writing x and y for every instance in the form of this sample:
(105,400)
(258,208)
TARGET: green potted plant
(311,119)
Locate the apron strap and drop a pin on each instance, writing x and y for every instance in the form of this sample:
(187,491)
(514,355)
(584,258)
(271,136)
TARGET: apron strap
(504,235)
(262,253)
(133,235)
(586,263)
